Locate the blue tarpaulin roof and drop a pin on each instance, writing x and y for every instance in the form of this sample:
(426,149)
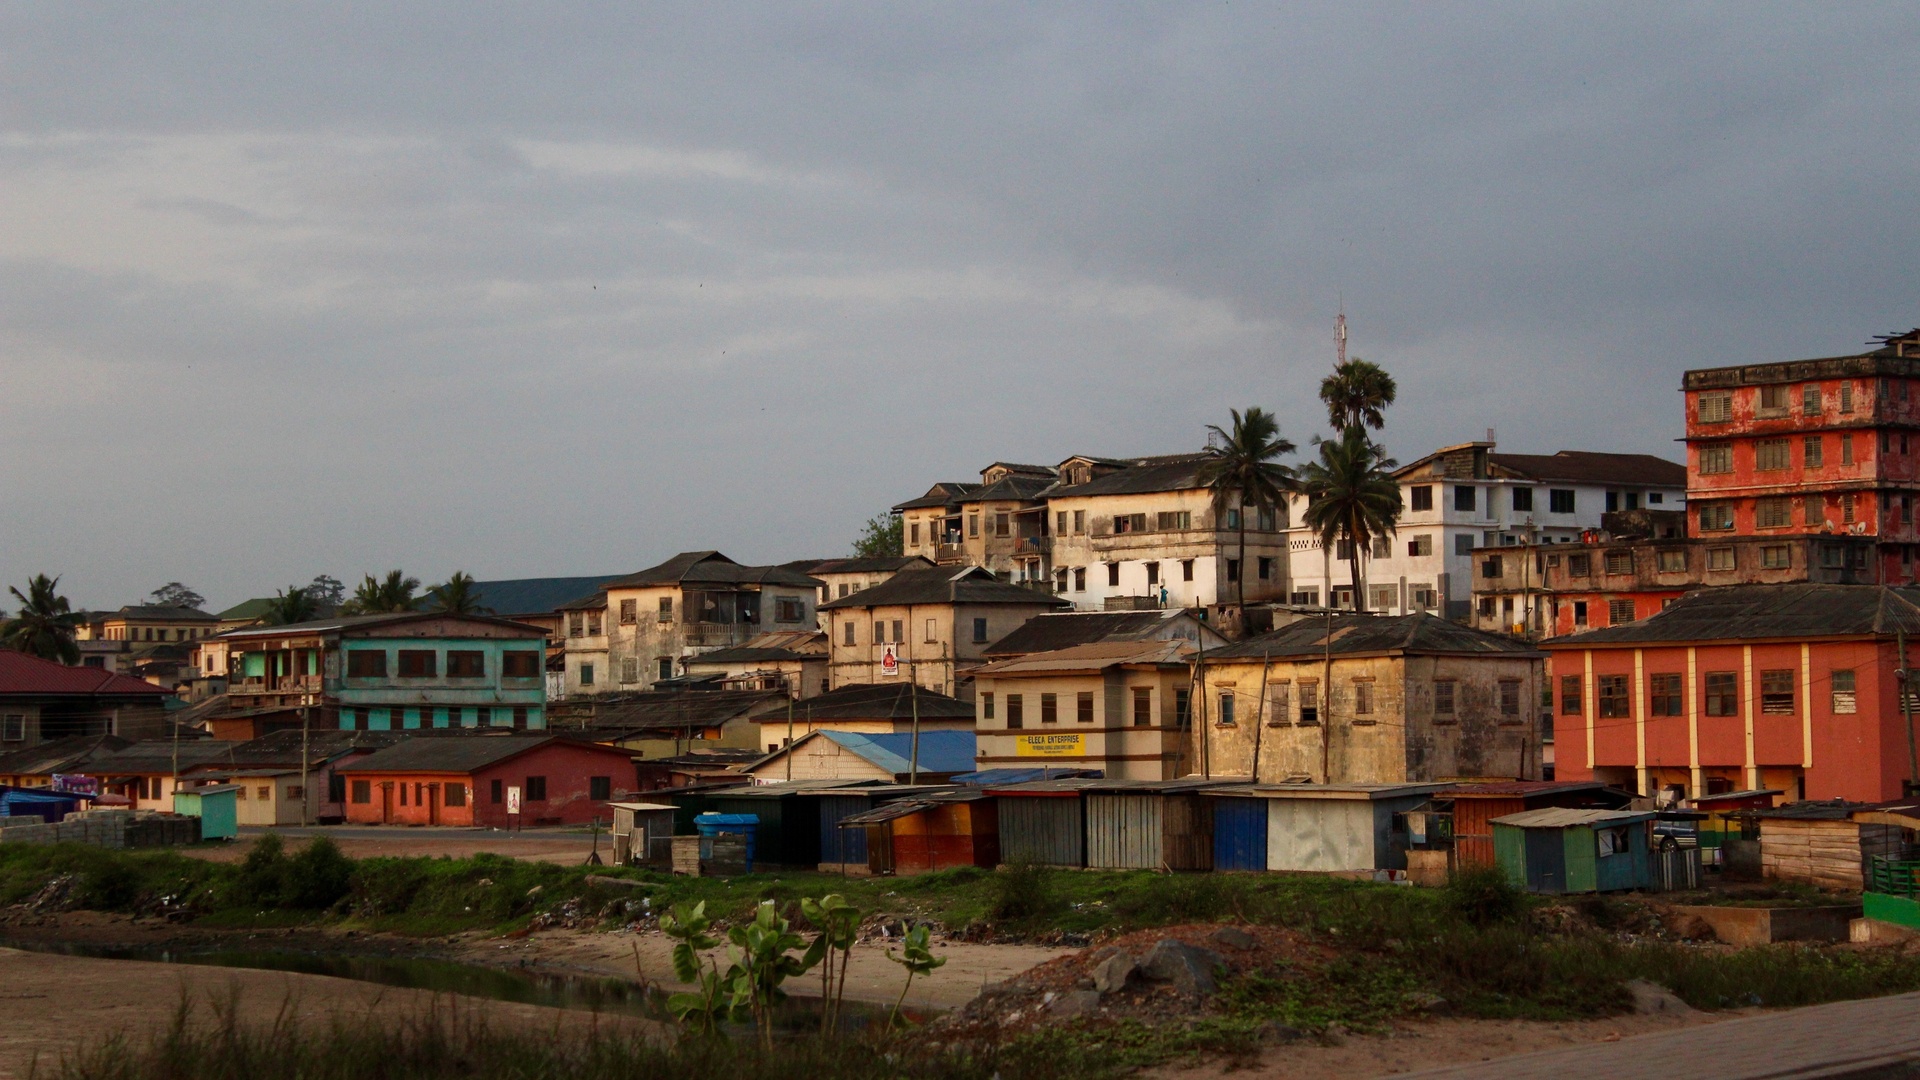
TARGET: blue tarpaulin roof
(940,751)
(1022,776)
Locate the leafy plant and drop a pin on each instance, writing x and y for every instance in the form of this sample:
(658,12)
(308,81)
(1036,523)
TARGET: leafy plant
(701,1010)
(832,950)
(916,955)
(761,953)
(1483,896)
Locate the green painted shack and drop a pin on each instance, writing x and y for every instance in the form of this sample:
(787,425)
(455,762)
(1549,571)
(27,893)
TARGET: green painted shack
(216,806)
(1892,893)
(1560,849)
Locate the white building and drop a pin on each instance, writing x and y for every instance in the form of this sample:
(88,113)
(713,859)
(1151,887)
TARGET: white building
(1464,497)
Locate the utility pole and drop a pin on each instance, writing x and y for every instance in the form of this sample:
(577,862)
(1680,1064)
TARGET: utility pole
(1260,716)
(913,694)
(306,735)
(1326,707)
(789,732)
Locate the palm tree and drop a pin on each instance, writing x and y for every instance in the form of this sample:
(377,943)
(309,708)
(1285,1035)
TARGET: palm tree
(1357,395)
(45,625)
(1241,468)
(1351,496)
(457,597)
(294,605)
(377,597)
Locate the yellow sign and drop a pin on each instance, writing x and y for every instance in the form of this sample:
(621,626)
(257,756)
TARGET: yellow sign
(1049,745)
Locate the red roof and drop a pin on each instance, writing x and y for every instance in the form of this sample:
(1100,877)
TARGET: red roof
(1512,789)
(30,675)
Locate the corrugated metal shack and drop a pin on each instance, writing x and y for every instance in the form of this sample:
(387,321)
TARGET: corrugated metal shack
(1313,827)
(1558,850)
(1475,805)
(1043,823)
(927,833)
(1150,824)
(789,830)
(844,851)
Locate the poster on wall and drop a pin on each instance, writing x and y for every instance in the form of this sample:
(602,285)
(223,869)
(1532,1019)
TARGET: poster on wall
(1050,745)
(513,800)
(889,662)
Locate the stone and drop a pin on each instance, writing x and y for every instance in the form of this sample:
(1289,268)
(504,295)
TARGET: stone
(1233,937)
(1112,973)
(1652,999)
(1185,966)
(1074,1003)
(1273,1031)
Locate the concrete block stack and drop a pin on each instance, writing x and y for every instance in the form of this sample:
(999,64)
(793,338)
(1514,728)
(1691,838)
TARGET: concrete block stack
(108,828)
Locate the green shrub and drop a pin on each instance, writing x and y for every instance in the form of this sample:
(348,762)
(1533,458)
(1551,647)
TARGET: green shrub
(1483,896)
(318,877)
(1023,892)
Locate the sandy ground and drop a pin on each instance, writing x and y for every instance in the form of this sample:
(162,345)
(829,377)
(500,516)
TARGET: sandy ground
(870,975)
(568,848)
(1430,1044)
(49,1002)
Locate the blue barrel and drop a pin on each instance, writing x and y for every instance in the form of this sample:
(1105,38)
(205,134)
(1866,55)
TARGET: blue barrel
(712,824)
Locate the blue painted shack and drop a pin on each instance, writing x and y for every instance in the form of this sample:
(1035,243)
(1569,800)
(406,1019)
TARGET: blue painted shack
(844,851)
(1557,849)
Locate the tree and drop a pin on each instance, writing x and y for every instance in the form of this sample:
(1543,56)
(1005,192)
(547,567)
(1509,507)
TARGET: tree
(1351,496)
(294,605)
(174,594)
(378,597)
(883,535)
(45,625)
(1357,395)
(1241,469)
(457,597)
(327,593)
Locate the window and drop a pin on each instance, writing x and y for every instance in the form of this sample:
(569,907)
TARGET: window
(599,788)
(846,636)
(1381,547)
(1569,695)
(1233,569)
(1619,562)
(14,727)
(593,624)
(1844,701)
(986,706)
(1265,568)
(1278,705)
(1580,565)
(789,609)
(973,525)
(933,631)
(1420,545)
(979,631)
(520,664)
(1186,569)
(629,612)
(1655,498)
(1846,449)
(520,715)
(1464,498)
(1049,708)
(1615,703)
(1716,408)
(1579,613)
(417,663)
(1463,544)
(1363,697)
(456,794)
(1309,702)
(1776,692)
(1509,697)
(1812,452)
(1113,573)
(1774,401)
(1153,573)
(879,631)
(1723,693)
(1490,567)
(495,791)
(629,669)
(1382,597)
(1716,458)
(1847,508)
(241,793)
(1269,520)
(536,789)
(1619,612)
(1560,500)
(1770,455)
(1016,711)
(1665,697)
(913,532)
(586,674)
(1846,397)
(1225,717)
(899,632)
(1080,579)
(1716,517)
(366,663)
(1776,557)
(363,791)
(1523,499)
(466,663)
(1002,524)
(1142,706)
(1443,697)
(1233,517)
(1183,709)
(1672,561)
(1810,400)
(1175,519)
(1421,496)
(1079,521)
(1772,513)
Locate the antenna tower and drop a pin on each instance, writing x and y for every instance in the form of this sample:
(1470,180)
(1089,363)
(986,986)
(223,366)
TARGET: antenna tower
(1340,337)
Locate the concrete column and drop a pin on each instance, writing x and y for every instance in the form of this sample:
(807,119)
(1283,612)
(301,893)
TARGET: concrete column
(1640,722)
(1747,697)
(1696,781)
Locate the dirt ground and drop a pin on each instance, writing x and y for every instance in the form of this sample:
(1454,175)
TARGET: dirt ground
(566,848)
(47,1002)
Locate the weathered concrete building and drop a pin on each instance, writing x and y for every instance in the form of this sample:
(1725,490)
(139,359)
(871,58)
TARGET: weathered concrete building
(1066,629)
(1353,699)
(1122,707)
(638,629)
(935,625)
(794,661)
(1462,498)
(1824,446)
(41,701)
(843,577)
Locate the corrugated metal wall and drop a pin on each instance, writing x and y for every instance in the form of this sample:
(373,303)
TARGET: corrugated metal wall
(1186,838)
(1240,834)
(1124,832)
(1320,834)
(842,847)
(1046,831)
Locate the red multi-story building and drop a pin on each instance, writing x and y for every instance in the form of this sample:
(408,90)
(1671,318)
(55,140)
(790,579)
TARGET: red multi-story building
(1826,446)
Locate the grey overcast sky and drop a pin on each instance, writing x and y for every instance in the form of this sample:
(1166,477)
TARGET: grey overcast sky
(537,289)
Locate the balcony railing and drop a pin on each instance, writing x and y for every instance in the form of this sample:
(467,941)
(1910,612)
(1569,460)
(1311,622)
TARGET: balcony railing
(950,554)
(1033,545)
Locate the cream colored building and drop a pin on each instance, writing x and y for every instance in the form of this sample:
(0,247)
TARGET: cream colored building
(1122,707)
(1414,699)
(639,629)
(791,660)
(844,577)
(934,625)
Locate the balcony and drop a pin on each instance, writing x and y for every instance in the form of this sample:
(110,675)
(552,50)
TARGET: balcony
(1033,545)
(284,684)
(950,555)
(700,635)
